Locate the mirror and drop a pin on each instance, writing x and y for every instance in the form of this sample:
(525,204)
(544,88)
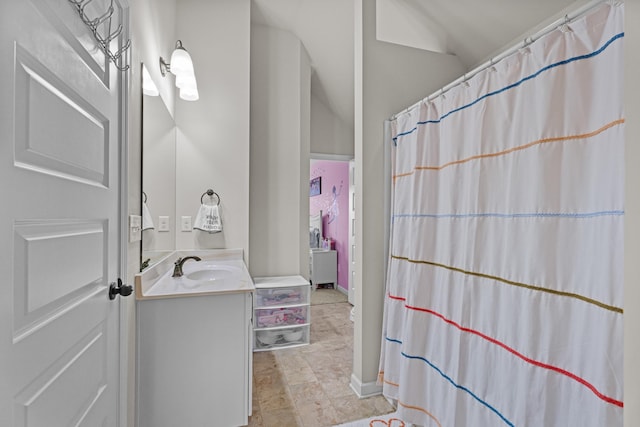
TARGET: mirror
(158,178)
(315,231)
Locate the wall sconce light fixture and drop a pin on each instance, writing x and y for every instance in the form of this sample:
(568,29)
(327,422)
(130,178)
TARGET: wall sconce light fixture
(181,66)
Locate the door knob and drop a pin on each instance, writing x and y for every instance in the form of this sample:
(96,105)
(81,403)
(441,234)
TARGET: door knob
(115,289)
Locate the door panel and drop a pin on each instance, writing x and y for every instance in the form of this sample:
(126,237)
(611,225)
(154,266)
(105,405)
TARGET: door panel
(74,250)
(59,220)
(44,141)
(80,376)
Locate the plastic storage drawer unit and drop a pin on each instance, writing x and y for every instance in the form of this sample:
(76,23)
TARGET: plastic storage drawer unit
(281,312)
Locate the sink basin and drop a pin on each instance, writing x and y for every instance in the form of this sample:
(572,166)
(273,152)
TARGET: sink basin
(220,271)
(210,273)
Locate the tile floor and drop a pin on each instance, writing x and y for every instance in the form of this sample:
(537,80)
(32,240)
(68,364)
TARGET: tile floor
(309,386)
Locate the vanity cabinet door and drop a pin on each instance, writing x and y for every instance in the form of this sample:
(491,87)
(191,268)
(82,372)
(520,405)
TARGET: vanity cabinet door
(194,361)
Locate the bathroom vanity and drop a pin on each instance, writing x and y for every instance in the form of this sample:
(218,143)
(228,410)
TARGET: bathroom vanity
(194,334)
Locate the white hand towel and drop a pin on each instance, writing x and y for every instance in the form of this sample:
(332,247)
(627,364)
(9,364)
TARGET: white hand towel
(147,221)
(208,219)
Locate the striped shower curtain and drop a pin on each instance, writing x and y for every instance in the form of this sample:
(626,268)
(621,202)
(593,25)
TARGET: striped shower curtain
(504,300)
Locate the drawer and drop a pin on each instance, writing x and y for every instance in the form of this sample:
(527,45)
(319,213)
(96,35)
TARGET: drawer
(270,339)
(269,297)
(286,316)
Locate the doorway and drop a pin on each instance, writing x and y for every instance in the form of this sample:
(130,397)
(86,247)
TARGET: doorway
(332,199)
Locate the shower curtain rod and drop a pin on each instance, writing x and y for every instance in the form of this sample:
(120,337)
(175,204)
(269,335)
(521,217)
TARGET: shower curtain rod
(568,18)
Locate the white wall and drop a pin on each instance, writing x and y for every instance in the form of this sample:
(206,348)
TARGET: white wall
(632,217)
(213,132)
(388,79)
(305,161)
(329,134)
(398,21)
(280,109)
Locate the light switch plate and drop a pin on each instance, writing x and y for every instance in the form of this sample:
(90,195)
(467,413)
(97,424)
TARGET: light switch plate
(135,228)
(185,223)
(163,223)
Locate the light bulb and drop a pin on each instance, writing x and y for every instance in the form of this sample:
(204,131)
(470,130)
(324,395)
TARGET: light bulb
(181,61)
(186,80)
(189,94)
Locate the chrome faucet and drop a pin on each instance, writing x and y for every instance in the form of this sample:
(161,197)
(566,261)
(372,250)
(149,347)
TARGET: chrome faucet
(177,270)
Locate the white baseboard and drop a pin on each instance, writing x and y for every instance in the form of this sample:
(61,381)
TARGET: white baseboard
(343,290)
(365,389)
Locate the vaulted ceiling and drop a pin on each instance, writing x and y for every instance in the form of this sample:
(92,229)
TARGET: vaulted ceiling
(473,30)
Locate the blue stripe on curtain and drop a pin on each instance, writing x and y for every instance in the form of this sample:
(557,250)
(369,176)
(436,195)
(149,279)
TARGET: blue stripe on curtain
(511,86)
(452,382)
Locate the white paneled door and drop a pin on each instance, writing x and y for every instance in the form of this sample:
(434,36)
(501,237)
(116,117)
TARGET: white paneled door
(60,142)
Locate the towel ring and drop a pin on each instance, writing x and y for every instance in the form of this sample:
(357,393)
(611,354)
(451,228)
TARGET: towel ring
(209,193)
(144,200)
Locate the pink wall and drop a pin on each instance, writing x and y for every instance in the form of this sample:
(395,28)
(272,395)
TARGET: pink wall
(334,203)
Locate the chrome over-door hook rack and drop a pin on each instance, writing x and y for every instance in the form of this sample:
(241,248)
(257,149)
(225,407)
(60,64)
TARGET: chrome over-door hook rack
(104,41)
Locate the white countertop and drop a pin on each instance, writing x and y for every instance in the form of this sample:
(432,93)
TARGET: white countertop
(156,282)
